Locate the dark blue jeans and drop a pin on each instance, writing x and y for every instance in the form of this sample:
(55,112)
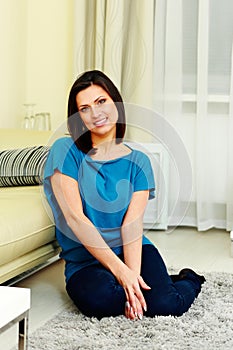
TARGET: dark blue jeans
(96,292)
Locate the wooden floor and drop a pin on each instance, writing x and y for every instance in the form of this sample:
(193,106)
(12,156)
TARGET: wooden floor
(183,247)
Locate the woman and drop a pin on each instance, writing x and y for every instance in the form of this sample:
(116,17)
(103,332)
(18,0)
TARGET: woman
(98,189)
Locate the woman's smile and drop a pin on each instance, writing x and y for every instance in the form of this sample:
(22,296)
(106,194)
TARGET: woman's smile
(101,122)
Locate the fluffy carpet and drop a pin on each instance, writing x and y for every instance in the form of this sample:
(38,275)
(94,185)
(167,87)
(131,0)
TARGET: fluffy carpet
(207,325)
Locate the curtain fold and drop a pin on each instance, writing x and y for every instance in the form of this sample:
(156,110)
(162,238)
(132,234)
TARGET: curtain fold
(117,38)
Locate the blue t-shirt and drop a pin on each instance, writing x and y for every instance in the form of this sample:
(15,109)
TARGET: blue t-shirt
(106,189)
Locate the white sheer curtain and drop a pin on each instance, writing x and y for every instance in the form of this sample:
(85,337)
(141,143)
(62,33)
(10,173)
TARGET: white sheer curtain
(193,42)
(174,57)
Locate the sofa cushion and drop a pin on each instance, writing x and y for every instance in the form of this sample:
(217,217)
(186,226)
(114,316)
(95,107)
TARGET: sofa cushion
(25,222)
(23,166)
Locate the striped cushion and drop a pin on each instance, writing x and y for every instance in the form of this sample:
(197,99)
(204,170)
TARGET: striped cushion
(22,166)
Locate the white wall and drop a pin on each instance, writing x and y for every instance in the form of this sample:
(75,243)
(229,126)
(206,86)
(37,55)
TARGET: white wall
(36,58)
(13,29)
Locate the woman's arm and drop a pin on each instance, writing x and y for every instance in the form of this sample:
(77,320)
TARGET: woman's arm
(68,197)
(132,230)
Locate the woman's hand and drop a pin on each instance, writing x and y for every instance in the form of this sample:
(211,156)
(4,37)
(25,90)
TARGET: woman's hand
(129,311)
(132,284)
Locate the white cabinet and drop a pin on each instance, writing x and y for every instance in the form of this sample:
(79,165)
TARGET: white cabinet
(156,214)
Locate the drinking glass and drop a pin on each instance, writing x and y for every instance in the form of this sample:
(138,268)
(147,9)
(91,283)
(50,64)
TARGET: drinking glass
(39,121)
(42,121)
(29,119)
(47,121)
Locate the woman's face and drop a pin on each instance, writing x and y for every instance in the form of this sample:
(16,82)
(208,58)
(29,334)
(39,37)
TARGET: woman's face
(97,111)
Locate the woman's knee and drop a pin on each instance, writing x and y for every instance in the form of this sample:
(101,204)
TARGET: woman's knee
(98,297)
(104,302)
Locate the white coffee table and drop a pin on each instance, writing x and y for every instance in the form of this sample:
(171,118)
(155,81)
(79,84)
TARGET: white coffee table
(14,308)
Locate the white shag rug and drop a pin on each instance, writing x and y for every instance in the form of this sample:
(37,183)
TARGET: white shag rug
(207,325)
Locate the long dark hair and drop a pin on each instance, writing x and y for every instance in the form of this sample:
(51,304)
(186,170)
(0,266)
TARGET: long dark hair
(80,134)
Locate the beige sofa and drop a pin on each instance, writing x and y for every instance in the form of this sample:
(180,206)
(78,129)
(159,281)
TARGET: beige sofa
(27,234)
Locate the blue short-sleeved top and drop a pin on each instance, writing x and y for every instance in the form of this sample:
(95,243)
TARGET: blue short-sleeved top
(106,188)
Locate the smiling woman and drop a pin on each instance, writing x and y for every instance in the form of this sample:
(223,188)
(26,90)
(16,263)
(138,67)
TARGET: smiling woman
(98,189)
(94,103)
(98,112)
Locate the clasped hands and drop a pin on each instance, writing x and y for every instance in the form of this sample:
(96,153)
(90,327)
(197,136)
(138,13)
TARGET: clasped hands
(132,283)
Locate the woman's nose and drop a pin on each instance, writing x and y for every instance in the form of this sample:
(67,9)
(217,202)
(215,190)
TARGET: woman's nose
(95,111)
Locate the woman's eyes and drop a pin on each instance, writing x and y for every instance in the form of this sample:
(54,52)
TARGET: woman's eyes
(101,101)
(87,108)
